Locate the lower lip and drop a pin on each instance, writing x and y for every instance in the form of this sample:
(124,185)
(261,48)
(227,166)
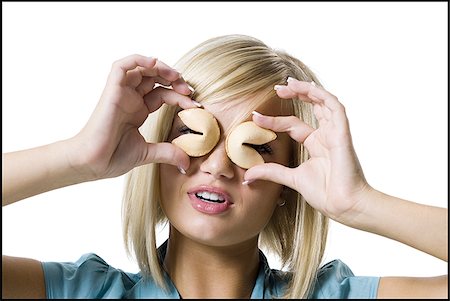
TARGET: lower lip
(208,207)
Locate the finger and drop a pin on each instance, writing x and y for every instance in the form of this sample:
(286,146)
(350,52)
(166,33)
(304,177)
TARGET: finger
(286,93)
(162,70)
(147,84)
(161,81)
(292,125)
(120,67)
(271,172)
(169,74)
(308,91)
(318,112)
(326,105)
(134,77)
(161,95)
(182,87)
(137,74)
(167,153)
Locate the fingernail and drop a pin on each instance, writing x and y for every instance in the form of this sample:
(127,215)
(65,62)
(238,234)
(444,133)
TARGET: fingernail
(257,114)
(197,103)
(181,170)
(278,87)
(289,79)
(247,182)
(313,83)
(190,88)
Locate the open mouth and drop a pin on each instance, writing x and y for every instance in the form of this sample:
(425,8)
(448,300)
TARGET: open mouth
(210,197)
(210,200)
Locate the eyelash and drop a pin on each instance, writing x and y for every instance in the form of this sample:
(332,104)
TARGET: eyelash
(185,130)
(262,149)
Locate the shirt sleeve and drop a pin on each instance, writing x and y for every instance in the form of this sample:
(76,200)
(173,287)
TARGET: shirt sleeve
(89,277)
(337,281)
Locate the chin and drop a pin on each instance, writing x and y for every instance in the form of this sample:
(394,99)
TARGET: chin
(217,233)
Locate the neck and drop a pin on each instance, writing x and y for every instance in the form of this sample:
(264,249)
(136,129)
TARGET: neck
(202,271)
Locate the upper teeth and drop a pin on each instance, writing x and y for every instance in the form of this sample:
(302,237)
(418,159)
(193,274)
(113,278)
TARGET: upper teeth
(210,196)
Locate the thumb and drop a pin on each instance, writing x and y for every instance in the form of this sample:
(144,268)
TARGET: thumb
(271,172)
(167,153)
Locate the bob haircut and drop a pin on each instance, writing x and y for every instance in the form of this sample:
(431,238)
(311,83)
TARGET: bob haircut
(226,70)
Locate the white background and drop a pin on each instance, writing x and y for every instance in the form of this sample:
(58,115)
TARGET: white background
(386,62)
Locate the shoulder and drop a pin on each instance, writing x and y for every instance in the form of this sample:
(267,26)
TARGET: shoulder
(88,277)
(336,280)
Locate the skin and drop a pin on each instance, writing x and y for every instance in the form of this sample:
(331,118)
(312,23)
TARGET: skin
(227,242)
(343,193)
(332,181)
(109,145)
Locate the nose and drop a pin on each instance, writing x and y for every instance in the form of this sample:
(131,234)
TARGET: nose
(217,163)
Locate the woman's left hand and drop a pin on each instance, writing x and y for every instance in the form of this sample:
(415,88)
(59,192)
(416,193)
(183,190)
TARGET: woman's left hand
(332,180)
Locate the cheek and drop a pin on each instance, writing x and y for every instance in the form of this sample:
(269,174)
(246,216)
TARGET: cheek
(170,177)
(261,200)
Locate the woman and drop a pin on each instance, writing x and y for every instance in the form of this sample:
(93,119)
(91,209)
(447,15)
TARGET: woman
(220,211)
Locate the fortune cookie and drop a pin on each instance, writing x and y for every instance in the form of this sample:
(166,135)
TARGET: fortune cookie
(198,120)
(247,132)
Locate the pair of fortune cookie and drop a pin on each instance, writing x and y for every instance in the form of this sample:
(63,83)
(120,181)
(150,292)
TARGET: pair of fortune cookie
(236,144)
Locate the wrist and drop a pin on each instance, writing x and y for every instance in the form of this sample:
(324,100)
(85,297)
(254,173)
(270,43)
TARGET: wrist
(78,164)
(363,210)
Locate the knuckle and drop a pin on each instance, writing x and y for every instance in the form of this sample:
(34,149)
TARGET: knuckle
(140,90)
(339,105)
(116,64)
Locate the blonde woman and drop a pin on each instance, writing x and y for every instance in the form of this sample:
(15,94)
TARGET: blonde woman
(221,211)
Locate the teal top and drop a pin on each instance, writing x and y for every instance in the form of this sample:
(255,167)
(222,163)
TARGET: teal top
(91,277)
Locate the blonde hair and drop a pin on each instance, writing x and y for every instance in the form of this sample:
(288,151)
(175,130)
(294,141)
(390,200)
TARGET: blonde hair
(228,69)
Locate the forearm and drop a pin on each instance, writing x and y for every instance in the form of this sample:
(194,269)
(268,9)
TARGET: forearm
(420,226)
(34,171)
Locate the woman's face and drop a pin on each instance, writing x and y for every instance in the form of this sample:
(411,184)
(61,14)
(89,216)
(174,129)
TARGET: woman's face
(246,208)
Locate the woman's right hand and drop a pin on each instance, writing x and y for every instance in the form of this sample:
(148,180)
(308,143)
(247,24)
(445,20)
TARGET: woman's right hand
(110,144)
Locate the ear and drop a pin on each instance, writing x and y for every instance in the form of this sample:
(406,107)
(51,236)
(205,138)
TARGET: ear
(207,136)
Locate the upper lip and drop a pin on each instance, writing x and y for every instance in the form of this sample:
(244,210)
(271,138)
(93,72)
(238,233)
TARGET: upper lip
(213,189)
